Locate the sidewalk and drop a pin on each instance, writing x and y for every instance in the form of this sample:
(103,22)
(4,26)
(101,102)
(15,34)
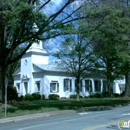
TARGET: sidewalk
(34,116)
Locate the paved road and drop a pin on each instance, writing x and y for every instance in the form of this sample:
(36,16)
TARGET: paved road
(99,120)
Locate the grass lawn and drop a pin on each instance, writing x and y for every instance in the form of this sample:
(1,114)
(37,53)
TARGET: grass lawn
(17,108)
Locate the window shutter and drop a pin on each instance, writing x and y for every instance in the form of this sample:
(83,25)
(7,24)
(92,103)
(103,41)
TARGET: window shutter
(64,85)
(57,87)
(99,86)
(81,86)
(51,87)
(90,85)
(75,85)
(70,85)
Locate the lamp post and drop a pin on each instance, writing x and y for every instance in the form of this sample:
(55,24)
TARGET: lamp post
(6,84)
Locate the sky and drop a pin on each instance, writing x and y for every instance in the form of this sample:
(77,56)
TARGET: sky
(52,6)
(57,2)
(51,44)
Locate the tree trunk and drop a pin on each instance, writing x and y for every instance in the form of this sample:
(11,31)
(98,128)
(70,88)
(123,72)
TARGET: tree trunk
(110,86)
(2,82)
(77,88)
(127,85)
(109,76)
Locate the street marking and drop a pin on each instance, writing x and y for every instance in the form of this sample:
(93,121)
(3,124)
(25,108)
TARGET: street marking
(127,114)
(100,126)
(90,128)
(83,113)
(30,127)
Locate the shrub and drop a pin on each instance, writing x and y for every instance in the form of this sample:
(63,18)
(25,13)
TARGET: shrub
(43,96)
(116,95)
(12,93)
(53,96)
(86,97)
(105,94)
(28,97)
(95,95)
(73,96)
(36,96)
(81,96)
(21,98)
(122,94)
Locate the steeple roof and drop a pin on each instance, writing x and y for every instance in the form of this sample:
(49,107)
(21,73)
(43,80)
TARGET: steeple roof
(37,47)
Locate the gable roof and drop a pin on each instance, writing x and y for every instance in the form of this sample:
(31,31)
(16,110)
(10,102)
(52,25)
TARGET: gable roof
(53,66)
(17,72)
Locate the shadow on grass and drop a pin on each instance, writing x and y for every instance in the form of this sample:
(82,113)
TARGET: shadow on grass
(11,110)
(39,106)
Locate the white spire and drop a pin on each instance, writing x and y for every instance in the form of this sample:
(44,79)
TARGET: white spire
(35,28)
(37,45)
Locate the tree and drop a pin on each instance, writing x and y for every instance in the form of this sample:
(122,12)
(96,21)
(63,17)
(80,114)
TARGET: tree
(125,66)
(13,66)
(12,93)
(18,19)
(76,58)
(107,25)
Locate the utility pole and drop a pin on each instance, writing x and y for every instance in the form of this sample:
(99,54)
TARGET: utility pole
(6,84)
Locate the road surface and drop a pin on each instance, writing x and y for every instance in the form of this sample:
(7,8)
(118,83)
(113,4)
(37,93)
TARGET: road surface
(98,120)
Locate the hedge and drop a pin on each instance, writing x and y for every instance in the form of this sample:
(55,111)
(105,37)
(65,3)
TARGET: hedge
(53,96)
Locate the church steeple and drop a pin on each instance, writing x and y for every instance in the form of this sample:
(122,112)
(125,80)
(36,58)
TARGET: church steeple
(37,54)
(37,45)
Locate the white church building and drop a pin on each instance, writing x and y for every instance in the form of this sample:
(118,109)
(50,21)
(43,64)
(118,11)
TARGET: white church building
(37,75)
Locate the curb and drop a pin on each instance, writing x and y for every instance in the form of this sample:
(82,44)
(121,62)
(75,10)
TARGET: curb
(99,108)
(55,113)
(34,116)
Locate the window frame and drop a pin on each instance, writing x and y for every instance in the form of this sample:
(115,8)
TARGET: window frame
(18,87)
(105,88)
(69,85)
(38,85)
(80,86)
(51,87)
(26,87)
(89,87)
(98,87)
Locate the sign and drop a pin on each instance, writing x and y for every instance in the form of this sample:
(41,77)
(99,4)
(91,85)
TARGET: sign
(124,124)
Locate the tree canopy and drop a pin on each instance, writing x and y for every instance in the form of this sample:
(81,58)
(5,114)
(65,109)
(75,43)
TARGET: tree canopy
(24,21)
(107,26)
